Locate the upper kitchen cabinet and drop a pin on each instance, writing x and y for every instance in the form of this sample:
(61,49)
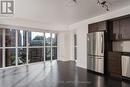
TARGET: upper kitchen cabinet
(125,29)
(95,27)
(102,25)
(121,29)
(116,30)
(92,27)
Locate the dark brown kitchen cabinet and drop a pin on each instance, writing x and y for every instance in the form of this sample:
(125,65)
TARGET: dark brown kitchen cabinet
(95,27)
(116,30)
(92,27)
(121,29)
(125,29)
(114,64)
(102,25)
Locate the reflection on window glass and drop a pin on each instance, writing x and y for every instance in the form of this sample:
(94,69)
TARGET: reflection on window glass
(48,39)
(21,56)
(10,38)
(0,58)
(36,55)
(1,37)
(21,38)
(36,39)
(48,53)
(10,57)
(54,39)
(54,53)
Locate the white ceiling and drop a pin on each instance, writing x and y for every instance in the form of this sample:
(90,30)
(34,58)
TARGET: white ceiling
(62,12)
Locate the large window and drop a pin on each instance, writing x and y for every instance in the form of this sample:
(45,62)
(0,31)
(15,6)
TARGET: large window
(10,47)
(22,47)
(22,56)
(54,53)
(48,53)
(36,38)
(10,38)
(22,38)
(54,46)
(36,55)
(54,39)
(10,57)
(36,47)
(47,39)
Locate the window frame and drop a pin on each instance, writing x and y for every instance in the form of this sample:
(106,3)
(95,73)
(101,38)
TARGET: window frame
(27,47)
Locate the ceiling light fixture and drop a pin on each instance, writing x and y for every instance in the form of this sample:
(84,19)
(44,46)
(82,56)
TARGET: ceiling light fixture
(75,1)
(104,4)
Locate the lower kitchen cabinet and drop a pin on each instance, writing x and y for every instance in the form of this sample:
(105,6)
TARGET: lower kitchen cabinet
(114,64)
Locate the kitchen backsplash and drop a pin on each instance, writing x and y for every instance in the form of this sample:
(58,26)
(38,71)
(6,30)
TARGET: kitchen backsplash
(122,46)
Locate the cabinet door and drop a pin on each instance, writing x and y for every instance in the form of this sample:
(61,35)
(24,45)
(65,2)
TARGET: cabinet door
(102,25)
(125,29)
(114,63)
(93,27)
(116,30)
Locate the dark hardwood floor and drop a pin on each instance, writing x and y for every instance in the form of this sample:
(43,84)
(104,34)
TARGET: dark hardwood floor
(55,74)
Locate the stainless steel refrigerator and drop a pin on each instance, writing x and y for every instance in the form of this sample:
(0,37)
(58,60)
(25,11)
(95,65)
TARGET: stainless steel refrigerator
(95,52)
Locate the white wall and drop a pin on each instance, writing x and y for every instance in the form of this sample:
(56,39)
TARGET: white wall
(12,21)
(82,47)
(66,46)
(44,14)
(81,29)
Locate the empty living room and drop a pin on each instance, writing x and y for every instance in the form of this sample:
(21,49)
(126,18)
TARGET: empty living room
(64,43)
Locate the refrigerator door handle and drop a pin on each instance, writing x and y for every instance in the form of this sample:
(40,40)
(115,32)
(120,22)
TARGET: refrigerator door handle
(102,43)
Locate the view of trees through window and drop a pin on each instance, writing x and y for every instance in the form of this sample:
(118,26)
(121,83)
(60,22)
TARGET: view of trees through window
(22,47)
